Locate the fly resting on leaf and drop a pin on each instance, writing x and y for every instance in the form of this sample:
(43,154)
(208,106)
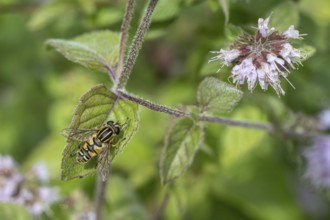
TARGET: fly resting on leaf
(95,142)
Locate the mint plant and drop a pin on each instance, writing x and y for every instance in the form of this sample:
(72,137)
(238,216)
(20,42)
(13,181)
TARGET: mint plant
(265,57)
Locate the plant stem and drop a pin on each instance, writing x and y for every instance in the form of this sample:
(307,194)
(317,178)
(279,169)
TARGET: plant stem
(160,212)
(136,46)
(152,106)
(181,114)
(99,197)
(247,124)
(124,33)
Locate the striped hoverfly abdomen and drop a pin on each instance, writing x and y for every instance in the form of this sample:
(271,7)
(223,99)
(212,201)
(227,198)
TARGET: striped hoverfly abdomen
(96,140)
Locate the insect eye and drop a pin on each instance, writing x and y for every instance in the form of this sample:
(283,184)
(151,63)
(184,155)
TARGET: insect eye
(117,129)
(110,122)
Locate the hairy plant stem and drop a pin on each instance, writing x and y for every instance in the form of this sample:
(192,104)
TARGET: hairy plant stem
(121,79)
(124,33)
(181,114)
(99,196)
(136,46)
(268,127)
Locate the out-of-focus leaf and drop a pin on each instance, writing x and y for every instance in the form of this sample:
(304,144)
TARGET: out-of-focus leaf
(258,184)
(214,95)
(47,13)
(232,32)
(96,50)
(166,10)
(87,5)
(181,144)
(97,106)
(213,4)
(13,211)
(108,16)
(284,15)
(123,201)
(237,142)
(252,174)
(307,51)
(318,10)
(210,68)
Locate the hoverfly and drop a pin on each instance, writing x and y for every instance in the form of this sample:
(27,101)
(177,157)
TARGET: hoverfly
(94,142)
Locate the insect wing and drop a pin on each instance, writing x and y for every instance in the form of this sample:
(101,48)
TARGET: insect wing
(103,163)
(77,134)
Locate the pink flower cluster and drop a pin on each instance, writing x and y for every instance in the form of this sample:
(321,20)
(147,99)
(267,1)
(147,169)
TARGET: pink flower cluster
(265,57)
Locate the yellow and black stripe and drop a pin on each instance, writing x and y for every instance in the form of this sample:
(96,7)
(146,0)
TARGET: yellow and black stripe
(98,141)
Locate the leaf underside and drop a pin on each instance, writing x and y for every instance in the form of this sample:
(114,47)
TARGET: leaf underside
(96,51)
(97,106)
(215,96)
(181,144)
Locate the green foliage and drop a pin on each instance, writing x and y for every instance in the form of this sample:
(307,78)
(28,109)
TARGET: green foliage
(182,142)
(234,173)
(284,15)
(48,13)
(307,51)
(232,32)
(123,201)
(320,10)
(96,107)
(96,50)
(13,211)
(166,10)
(238,141)
(214,96)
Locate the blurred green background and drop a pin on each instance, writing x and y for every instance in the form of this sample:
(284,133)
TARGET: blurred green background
(239,173)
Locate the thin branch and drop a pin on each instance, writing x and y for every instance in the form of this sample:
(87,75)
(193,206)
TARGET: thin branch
(99,197)
(136,45)
(153,106)
(268,127)
(181,114)
(124,33)
(160,212)
(246,124)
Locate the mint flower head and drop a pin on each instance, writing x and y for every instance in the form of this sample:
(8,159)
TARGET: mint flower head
(265,57)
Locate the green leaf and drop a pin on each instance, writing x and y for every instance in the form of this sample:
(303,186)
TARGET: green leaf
(317,10)
(214,95)
(123,200)
(166,10)
(307,51)
(108,16)
(48,13)
(213,5)
(284,15)
(181,144)
(232,32)
(238,142)
(251,172)
(96,51)
(97,106)
(14,211)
